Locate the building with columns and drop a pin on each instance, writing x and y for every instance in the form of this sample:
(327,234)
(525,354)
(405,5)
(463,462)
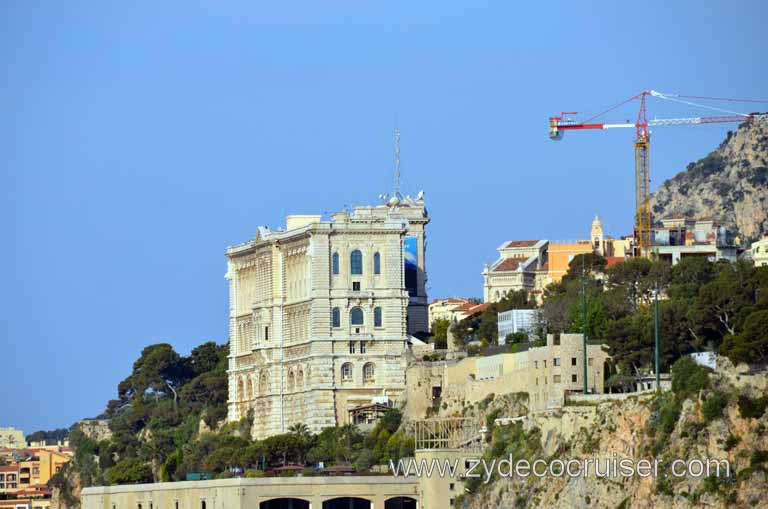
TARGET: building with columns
(321,313)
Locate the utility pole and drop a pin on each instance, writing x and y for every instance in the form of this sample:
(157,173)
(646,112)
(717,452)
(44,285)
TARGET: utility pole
(656,333)
(584,318)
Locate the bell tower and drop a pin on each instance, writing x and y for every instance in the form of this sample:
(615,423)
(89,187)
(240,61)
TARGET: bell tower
(597,238)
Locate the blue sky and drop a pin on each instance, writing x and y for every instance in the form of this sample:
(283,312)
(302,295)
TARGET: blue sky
(139,139)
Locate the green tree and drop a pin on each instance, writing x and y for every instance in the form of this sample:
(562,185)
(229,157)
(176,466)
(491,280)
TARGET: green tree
(751,346)
(129,471)
(440,333)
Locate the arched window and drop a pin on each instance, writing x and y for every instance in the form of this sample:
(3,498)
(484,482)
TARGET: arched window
(376,263)
(346,371)
(377,322)
(356,316)
(335,264)
(240,390)
(356,262)
(300,381)
(336,318)
(369,372)
(291,381)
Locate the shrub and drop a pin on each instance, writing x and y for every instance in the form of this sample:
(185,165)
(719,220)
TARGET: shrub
(731,442)
(714,405)
(688,378)
(752,408)
(758,458)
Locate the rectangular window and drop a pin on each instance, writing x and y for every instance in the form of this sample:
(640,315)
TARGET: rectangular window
(555,379)
(573,361)
(351,347)
(556,361)
(356,286)
(589,362)
(362,347)
(266,333)
(574,378)
(536,364)
(537,380)
(545,364)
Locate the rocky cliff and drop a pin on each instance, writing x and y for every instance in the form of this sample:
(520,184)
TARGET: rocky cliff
(731,183)
(715,423)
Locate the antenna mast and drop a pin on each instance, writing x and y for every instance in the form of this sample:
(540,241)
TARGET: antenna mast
(397,162)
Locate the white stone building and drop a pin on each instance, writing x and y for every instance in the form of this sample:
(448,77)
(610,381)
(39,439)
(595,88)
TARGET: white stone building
(320,314)
(521,266)
(759,252)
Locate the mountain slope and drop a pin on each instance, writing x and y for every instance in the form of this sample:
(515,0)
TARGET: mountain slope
(731,183)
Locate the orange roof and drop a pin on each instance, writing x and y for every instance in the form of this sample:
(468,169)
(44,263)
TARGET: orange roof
(509,264)
(612,261)
(451,300)
(9,468)
(472,309)
(521,243)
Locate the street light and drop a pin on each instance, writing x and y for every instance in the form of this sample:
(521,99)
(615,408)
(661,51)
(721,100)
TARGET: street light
(656,334)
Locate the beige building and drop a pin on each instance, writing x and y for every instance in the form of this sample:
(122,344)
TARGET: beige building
(321,313)
(522,265)
(532,265)
(759,252)
(12,438)
(344,492)
(546,373)
(445,309)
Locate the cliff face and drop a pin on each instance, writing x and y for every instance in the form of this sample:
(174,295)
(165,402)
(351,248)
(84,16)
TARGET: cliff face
(731,183)
(621,429)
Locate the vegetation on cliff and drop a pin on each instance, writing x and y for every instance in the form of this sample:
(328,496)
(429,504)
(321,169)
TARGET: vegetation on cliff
(168,421)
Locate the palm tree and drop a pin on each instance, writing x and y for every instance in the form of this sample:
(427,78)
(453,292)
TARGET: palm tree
(302,435)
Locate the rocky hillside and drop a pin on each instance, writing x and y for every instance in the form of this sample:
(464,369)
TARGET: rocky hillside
(717,416)
(731,183)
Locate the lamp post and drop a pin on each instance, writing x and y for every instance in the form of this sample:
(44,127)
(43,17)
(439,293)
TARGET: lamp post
(584,318)
(656,334)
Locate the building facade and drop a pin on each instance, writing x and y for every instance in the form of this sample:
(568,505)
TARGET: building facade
(445,309)
(342,492)
(547,373)
(532,265)
(12,438)
(522,265)
(320,315)
(517,320)
(680,237)
(759,252)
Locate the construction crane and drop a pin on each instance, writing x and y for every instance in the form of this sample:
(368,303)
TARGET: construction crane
(642,221)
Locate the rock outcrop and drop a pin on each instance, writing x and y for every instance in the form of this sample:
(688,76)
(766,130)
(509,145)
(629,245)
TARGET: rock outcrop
(731,184)
(633,428)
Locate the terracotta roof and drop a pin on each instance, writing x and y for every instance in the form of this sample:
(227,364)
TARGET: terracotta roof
(509,264)
(612,261)
(9,468)
(451,300)
(473,309)
(521,243)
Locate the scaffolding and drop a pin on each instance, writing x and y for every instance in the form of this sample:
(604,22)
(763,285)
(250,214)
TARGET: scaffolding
(449,433)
